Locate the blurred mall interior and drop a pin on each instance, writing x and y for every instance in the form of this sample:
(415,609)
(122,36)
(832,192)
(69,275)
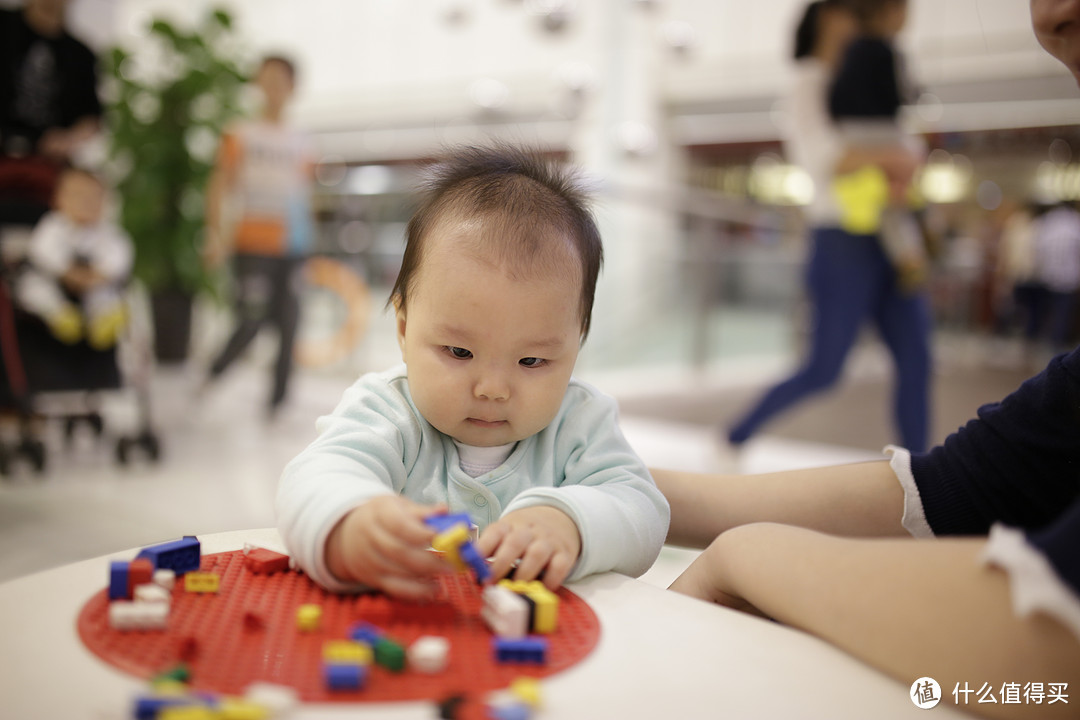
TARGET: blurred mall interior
(674,110)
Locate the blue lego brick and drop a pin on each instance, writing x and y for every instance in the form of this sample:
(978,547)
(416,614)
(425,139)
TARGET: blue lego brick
(442,523)
(345,676)
(365,632)
(479,565)
(148,707)
(118,579)
(180,556)
(514,711)
(529,649)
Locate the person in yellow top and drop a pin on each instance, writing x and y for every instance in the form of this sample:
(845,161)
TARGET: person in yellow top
(264,175)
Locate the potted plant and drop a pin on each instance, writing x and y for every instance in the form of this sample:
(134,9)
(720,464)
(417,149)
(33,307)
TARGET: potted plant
(167,103)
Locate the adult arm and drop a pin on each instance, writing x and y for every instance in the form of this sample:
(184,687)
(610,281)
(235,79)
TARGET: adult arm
(863,499)
(222,182)
(911,608)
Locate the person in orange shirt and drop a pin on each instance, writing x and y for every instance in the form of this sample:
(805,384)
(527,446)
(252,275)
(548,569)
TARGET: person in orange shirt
(264,172)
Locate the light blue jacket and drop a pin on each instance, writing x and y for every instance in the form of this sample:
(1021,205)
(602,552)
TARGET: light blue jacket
(376,443)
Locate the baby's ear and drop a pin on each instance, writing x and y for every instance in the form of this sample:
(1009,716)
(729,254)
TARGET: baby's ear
(399,321)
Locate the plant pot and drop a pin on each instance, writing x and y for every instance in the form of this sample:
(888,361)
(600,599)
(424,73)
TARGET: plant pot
(172,324)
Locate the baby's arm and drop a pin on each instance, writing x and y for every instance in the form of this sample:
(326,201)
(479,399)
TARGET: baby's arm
(384,544)
(338,503)
(606,492)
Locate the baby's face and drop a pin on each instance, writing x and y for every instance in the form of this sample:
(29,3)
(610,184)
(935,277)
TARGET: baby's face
(489,356)
(81,199)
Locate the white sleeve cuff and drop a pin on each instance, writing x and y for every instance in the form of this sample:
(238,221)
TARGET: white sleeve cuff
(1034,584)
(914,520)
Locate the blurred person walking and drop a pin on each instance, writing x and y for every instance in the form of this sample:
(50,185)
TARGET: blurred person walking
(1057,271)
(850,279)
(264,172)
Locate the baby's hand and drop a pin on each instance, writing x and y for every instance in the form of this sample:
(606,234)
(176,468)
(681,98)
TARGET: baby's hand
(384,543)
(545,539)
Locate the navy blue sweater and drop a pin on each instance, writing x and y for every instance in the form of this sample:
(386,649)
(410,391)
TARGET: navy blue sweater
(1017,463)
(868,84)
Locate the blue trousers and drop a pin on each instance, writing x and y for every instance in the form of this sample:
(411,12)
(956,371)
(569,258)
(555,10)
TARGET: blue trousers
(850,281)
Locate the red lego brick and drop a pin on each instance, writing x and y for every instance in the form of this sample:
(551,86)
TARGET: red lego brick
(266,562)
(140,572)
(254,621)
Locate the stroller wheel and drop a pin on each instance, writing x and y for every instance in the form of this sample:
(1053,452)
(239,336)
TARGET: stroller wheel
(123,446)
(34,451)
(152,445)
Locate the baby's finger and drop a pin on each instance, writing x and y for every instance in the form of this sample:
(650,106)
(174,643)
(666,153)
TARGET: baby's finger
(395,555)
(408,524)
(558,569)
(490,538)
(536,557)
(513,545)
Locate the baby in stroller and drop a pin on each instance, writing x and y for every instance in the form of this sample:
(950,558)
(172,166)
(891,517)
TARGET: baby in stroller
(77,265)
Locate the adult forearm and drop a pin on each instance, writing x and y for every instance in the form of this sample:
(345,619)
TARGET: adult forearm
(908,607)
(863,499)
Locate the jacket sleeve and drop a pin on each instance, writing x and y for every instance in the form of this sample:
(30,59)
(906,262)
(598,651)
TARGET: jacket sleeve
(1017,463)
(358,455)
(607,491)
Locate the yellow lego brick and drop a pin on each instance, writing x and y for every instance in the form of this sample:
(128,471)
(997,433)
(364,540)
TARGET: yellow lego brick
(547,608)
(308,617)
(233,708)
(187,712)
(527,690)
(347,651)
(169,686)
(451,539)
(518,586)
(202,582)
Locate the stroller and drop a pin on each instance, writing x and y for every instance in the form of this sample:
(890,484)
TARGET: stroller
(42,378)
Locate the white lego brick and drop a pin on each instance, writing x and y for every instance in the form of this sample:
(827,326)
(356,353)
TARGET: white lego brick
(152,592)
(505,612)
(165,577)
(131,615)
(429,654)
(280,700)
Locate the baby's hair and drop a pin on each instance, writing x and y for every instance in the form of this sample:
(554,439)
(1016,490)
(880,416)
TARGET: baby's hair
(535,208)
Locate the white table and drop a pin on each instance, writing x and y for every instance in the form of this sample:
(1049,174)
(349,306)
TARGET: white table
(660,655)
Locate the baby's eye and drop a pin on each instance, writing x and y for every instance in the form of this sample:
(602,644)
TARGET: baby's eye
(531,362)
(459,353)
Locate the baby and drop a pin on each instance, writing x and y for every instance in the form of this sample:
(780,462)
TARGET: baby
(492,303)
(78,264)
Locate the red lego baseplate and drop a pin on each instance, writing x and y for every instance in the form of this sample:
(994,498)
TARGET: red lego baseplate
(247,632)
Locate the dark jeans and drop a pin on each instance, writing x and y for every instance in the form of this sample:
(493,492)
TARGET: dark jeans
(267,291)
(850,281)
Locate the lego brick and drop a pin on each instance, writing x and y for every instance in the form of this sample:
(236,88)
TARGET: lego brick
(451,539)
(428,654)
(149,592)
(506,613)
(509,711)
(130,615)
(202,582)
(344,676)
(365,632)
(253,621)
(546,603)
(527,690)
(165,577)
(279,699)
(180,673)
(265,562)
(450,707)
(187,712)
(347,651)
(188,649)
(181,556)
(441,523)
(308,618)
(149,707)
(478,564)
(389,654)
(140,572)
(118,580)
(232,708)
(527,650)
(429,613)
